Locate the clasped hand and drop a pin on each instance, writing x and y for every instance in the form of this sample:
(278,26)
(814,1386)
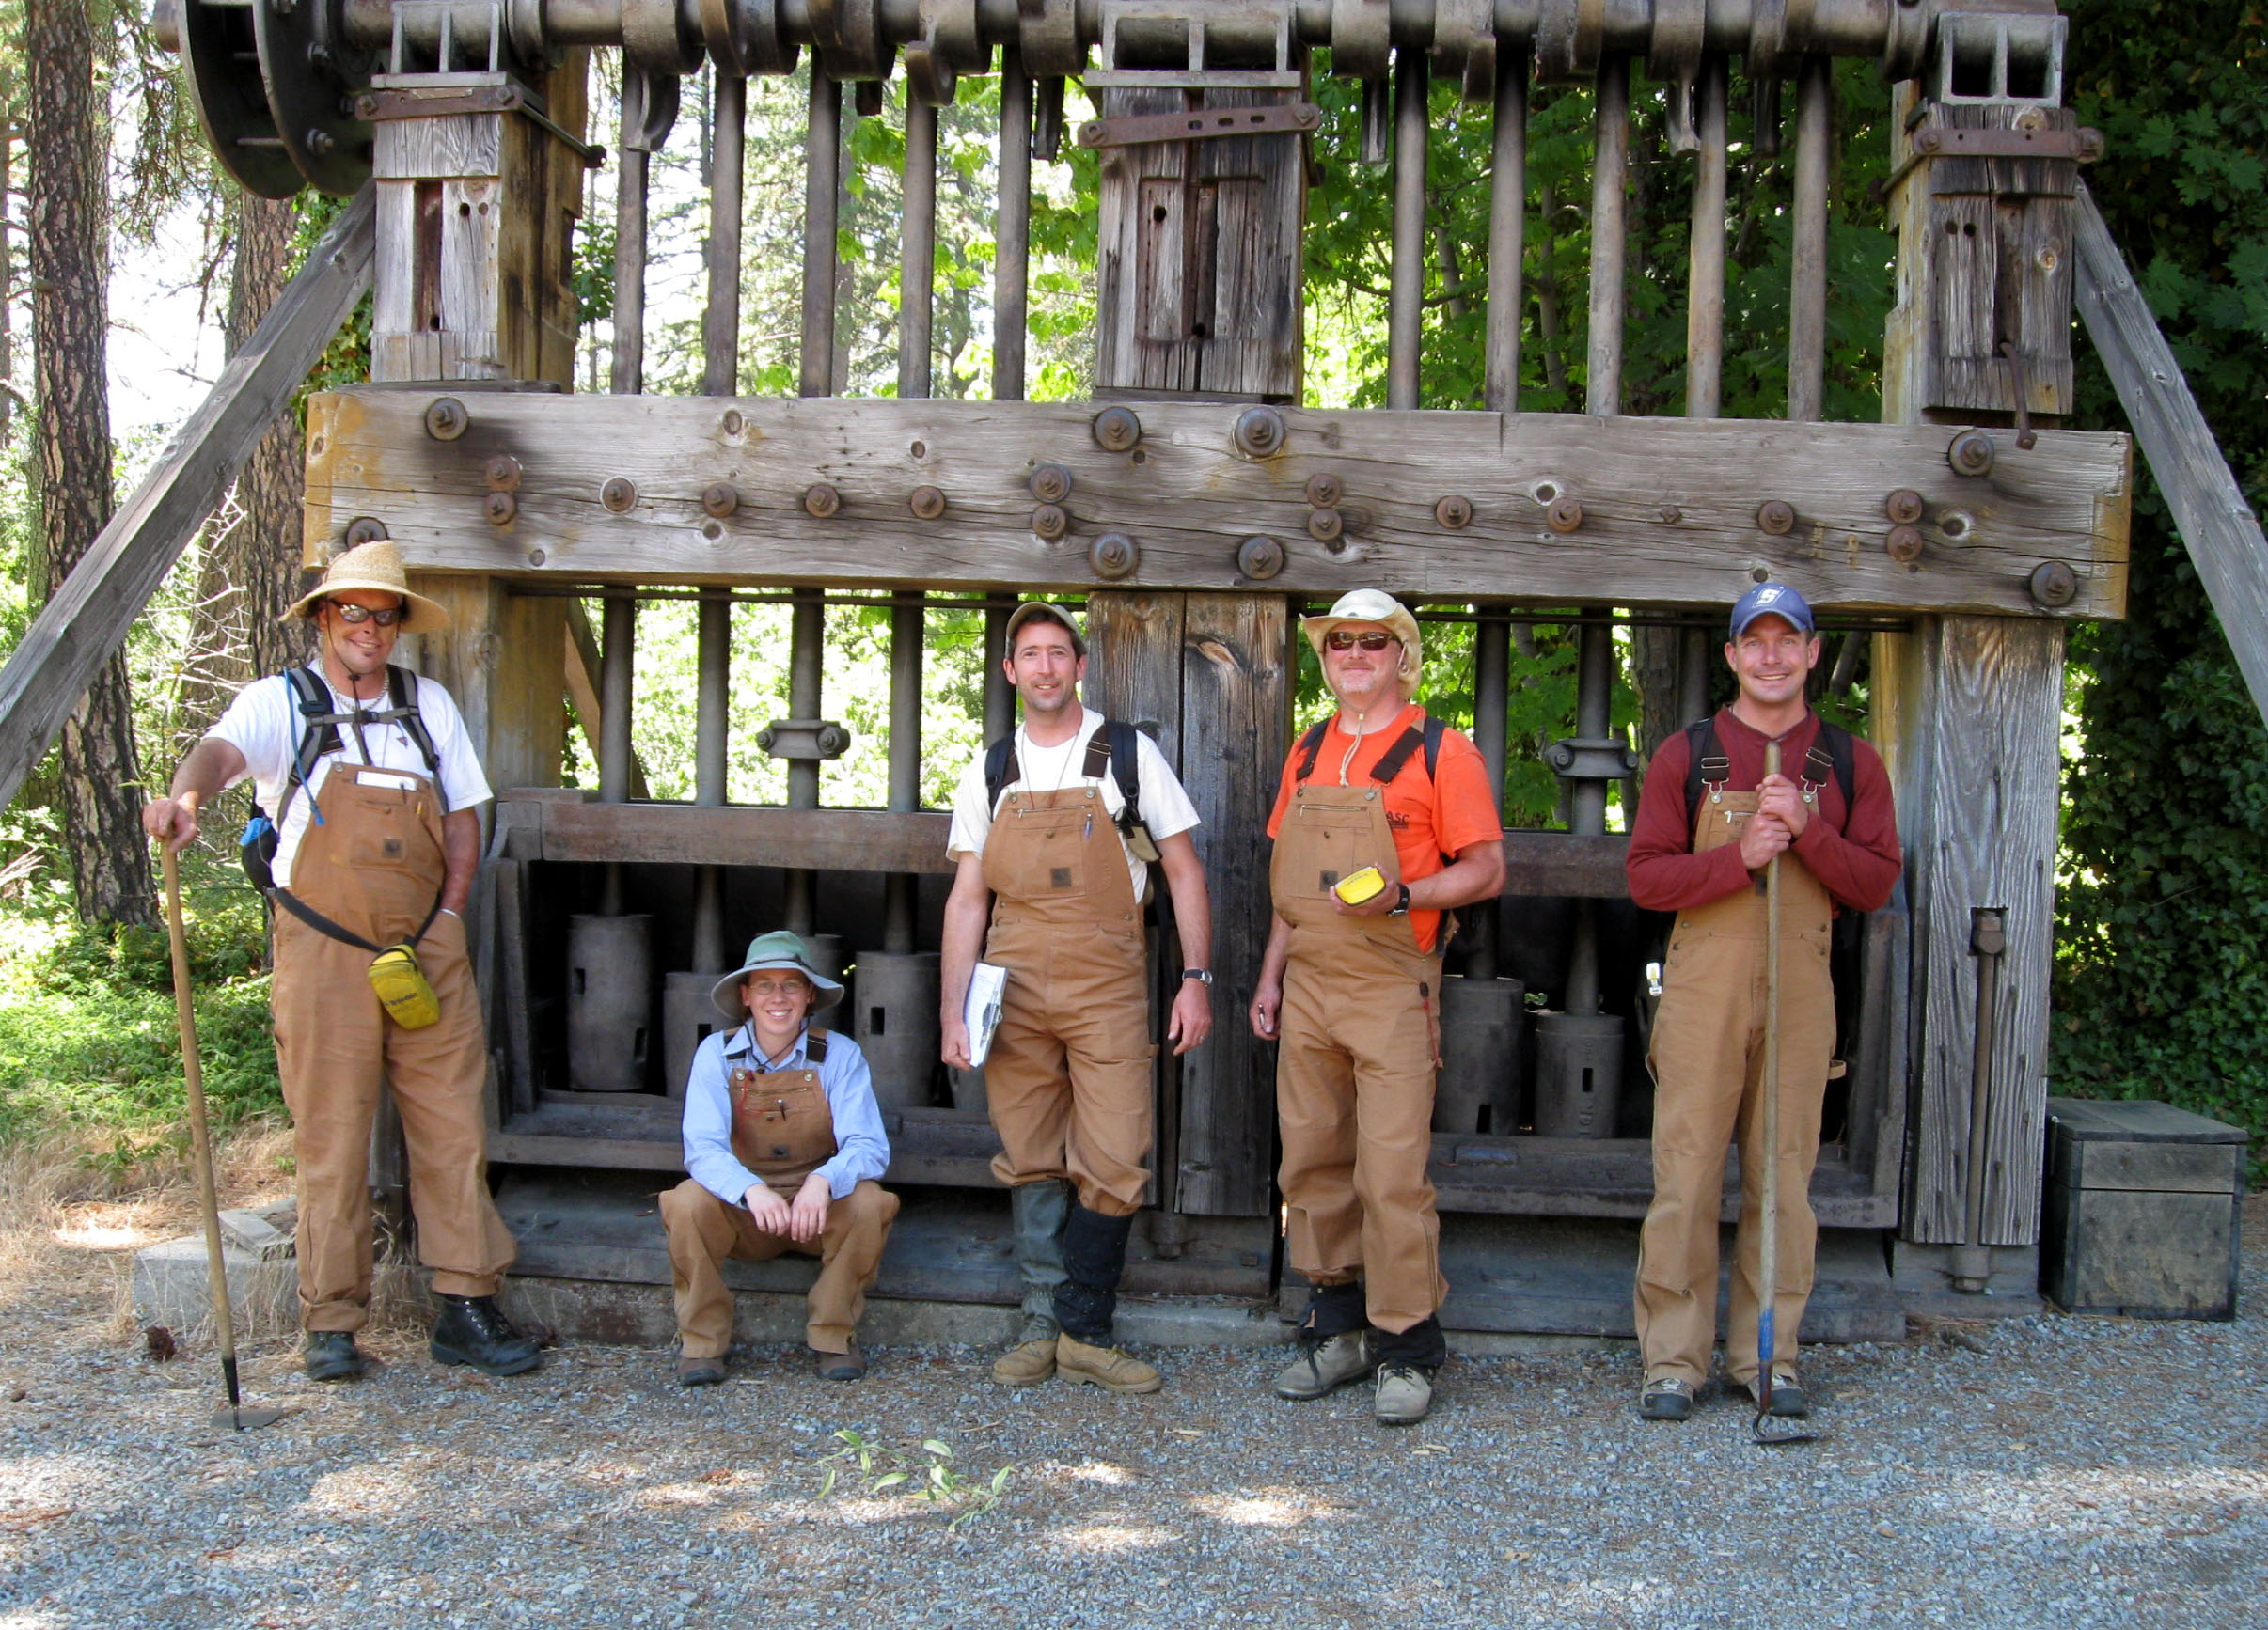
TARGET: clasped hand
(803,1221)
(1779,821)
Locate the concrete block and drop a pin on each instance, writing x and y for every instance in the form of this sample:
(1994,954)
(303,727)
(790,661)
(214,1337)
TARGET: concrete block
(173,1287)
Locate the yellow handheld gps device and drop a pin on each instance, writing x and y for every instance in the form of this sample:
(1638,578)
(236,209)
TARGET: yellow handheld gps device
(1359,886)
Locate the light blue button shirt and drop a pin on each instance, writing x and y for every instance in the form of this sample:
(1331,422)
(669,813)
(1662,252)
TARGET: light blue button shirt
(861,1146)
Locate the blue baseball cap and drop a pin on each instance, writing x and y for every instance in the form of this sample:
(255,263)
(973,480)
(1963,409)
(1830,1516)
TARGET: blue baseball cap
(1771,600)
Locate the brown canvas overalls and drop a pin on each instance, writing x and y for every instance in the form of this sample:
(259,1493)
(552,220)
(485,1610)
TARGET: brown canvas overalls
(1355,1064)
(782,1131)
(1068,1077)
(1708,1061)
(374,864)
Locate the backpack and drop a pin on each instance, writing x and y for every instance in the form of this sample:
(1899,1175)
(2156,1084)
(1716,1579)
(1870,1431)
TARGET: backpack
(1114,750)
(1391,762)
(1830,755)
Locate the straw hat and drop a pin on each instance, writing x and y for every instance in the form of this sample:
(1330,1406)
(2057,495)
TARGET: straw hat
(1382,610)
(373,565)
(780,948)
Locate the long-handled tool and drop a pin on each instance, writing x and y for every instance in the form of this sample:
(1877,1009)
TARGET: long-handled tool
(1767,1251)
(201,1148)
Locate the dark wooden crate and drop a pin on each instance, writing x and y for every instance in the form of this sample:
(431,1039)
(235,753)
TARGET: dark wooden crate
(2143,1210)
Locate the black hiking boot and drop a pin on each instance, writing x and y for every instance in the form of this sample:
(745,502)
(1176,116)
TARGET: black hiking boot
(473,1330)
(332,1356)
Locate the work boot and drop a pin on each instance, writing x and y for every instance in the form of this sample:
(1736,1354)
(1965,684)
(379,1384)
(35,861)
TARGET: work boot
(1789,1399)
(700,1371)
(848,1365)
(1105,1367)
(1032,1360)
(1324,1364)
(1040,1210)
(331,1356)
(1666,1398)
(473,1330)
(1404,1395)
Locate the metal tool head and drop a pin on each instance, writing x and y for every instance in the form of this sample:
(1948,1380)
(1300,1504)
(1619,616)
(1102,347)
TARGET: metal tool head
(1769,1431)
(238,1418)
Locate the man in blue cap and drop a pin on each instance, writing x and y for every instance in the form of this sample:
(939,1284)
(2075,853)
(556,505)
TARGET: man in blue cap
(1709,822)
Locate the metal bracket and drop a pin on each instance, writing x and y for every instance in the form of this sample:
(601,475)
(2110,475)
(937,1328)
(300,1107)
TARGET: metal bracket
(1138,130)
(1579,758)
(804,739)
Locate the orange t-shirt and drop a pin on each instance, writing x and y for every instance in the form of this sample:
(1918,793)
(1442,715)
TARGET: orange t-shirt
(1432,820)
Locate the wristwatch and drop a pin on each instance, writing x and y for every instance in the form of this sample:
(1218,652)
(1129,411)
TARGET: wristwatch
(1203,976)
(1402,907)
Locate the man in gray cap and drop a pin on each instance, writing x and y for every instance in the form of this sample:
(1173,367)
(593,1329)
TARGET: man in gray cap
(785,1142)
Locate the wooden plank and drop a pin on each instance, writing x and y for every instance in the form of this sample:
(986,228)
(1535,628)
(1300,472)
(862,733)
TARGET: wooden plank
(87,618)
(2222,534)
(1969,714)
(502,660)
(1566,863)
(1192,500)
(747,835)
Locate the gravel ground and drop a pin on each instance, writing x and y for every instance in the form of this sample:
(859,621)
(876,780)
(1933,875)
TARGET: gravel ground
(2051,1471)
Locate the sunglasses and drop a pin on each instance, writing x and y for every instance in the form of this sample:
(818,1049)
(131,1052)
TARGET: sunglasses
(1340,639)
(358,615)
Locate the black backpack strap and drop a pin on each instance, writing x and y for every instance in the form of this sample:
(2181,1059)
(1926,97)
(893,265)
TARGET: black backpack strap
(401,691)
(318,732)
(1705,763)
(1310,745)
(1001,770)
(1435,730)
(1126,762)
(1405,747)
(323,925)
(1842,762)
(1097,763)
(814,1047)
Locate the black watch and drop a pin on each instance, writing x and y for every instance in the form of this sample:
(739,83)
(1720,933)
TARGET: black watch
(1402,908)
(1203,976)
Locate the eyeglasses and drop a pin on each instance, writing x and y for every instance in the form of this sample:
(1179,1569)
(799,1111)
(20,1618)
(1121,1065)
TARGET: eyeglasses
(794,985)
(358,615)
(1340,639)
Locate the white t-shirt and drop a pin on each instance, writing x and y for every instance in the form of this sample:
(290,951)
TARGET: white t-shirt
(263,724)
(1165,807)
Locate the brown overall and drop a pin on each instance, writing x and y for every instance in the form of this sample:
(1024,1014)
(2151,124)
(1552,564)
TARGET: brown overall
(1068,1076)
(1708,1060)
(782,1131)
(374,864)
(1354,1065)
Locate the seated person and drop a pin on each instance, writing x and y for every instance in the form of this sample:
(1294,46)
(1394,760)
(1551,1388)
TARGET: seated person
(785,1141)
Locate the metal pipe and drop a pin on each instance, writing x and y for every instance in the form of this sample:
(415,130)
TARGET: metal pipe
(1593,699)
(1012,235)
(1507,232)
(899,897)
(916,249)
(1610,217)
(1406,297)
(999,696)
(1693,673)
(807,662)
(1807,287)
(1988,941)
(822,166)
(720,321)
(1705,287)
(714,661)
(1491,710)
(619,631)
(628,375)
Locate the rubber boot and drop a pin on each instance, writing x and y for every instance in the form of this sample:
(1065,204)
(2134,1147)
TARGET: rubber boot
(1094,1255)
(1040,1210)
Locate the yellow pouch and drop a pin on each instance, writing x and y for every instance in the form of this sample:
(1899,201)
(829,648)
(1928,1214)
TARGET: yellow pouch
(401,985)
(1358,887)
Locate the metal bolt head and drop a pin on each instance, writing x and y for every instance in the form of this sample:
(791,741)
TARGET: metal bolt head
(1116,430)
(1260,557)
(1904,544)
(821,501)
(364,529)
(618,494)
(1260,433)
(1564,514)
(1928,141)
(1050,522)
(535,558)
(1114,554)
(719,498)
(2054,584)
(502,474)
(927,502)
(734,422)
(1051,483)
(1970,453)
(1454,511)
(1324,524)
(501,508)
(1904,506)
(320,141)
(1324,492)
(1776,516)
(445,418)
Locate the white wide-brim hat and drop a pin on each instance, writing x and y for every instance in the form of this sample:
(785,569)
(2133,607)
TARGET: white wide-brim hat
(377,566)
(1377,607)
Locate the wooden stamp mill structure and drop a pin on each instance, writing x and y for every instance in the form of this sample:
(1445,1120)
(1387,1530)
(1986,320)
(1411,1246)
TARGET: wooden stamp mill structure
(1196,505)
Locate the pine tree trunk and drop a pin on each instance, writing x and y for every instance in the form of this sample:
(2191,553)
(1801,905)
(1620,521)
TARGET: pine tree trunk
(98,781)
(249,570)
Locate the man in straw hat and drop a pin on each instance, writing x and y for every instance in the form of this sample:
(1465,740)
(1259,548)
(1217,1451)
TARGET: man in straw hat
(785,1142)
(1054,830)
(372,844)
(1350,991)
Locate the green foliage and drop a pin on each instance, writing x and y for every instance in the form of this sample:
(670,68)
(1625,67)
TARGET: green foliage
(2162,975)
(931,1477)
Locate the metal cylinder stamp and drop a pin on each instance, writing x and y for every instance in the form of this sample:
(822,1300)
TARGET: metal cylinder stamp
(1478,1088)
(1577,1074)
(610,1002)
(688,1019)
(897,1024)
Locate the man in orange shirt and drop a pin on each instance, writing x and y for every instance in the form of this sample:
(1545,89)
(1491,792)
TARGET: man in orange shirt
(1352,994)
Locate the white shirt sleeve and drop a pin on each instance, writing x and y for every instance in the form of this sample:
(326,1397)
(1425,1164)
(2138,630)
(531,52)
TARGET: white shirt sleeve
(971,812)
(260,724)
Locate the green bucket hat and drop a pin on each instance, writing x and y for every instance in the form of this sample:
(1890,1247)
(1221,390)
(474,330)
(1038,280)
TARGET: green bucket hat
(779,948)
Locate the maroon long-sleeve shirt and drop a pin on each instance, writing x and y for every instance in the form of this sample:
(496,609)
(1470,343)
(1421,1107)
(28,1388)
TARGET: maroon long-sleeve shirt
(1854,853)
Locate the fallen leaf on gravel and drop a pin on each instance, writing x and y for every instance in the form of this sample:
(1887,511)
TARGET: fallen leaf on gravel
(1885,1530)
(17,1395)
(1185,1432)
(40,1514)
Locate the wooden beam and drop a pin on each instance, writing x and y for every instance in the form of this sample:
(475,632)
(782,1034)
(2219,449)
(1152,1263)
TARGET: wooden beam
(581,650)
(1565,863)
(2222,533)
(89,615)
(1669,506)
(739,834)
